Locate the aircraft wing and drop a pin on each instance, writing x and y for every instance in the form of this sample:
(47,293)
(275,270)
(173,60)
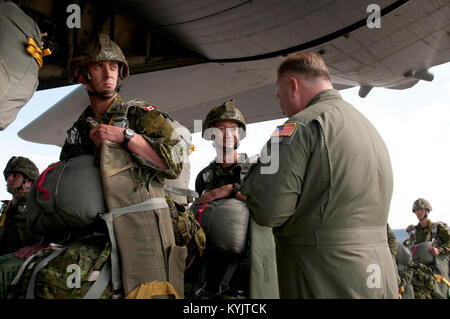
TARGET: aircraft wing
(231,49)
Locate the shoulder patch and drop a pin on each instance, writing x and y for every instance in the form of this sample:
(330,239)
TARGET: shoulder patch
(284,129)
(150,107)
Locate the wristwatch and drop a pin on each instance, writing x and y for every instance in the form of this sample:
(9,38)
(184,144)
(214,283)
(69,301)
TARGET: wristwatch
(128,134)
(236,188)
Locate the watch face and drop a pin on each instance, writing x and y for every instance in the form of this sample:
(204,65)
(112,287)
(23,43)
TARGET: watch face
(129,131)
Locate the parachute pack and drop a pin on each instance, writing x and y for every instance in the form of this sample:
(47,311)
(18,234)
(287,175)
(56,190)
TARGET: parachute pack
(68,195)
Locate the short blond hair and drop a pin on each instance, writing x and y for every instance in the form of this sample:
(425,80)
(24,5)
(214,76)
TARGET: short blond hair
(308,64)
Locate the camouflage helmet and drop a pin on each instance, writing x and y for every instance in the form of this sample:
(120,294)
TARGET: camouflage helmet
(421,203)
(22,165)
(226,111)
(101,48)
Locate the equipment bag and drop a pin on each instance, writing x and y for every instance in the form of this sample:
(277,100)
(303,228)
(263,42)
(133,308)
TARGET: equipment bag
(225,223)
(139,225)
(68,195)
(20,60)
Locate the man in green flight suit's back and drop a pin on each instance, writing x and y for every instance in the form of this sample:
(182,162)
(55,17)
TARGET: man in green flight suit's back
(328,201)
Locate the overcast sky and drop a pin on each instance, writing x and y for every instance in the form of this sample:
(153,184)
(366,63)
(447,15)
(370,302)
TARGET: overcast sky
(414,123)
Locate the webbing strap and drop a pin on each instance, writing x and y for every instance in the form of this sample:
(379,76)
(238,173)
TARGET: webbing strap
(100,284)
(42,264)
(3,218)
(440,278)
(181,191)
(231,269)
(150,204)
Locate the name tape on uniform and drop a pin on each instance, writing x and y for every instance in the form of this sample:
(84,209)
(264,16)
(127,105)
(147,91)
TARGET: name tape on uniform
(284,129)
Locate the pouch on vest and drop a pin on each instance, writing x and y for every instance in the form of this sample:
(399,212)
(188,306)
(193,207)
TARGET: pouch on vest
(178,189)
(225,223)
(68,195)
(139,225)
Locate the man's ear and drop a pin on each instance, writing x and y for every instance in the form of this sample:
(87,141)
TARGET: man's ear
(294,84)
(82,78)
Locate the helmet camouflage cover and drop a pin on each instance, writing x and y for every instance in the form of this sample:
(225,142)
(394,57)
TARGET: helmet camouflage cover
(99,49)
(226,111)
(421,203)
(22,165)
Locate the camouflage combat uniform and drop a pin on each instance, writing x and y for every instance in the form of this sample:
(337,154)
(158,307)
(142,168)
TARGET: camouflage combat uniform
(143,119)
(16,232)
(392,241)
(423,234)
(214,176)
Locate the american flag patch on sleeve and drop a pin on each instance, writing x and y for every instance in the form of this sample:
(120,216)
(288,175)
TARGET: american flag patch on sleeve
(284,129)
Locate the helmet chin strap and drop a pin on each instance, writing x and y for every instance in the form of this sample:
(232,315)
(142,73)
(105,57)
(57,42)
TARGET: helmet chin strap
(18,189)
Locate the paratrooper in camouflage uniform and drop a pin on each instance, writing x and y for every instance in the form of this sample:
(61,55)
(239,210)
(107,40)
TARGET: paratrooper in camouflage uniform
(20,173)
(100,66)
(428,281)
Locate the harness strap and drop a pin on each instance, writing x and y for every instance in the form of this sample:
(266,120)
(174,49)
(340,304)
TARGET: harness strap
(3,219)
(181,191)
(231,269)
(150,204)
(42,264)
(100,284)
(440,278)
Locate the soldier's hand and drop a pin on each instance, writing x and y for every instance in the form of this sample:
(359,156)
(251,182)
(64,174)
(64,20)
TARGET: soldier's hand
(435,251)
(106,132)
(218,193)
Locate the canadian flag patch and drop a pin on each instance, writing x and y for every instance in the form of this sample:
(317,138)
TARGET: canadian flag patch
(149,108)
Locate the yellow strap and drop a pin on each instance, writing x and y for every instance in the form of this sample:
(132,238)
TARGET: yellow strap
(2,221)
(35,51)
(150,289)
(439,278)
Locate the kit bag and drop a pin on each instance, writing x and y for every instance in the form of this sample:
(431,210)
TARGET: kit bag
(20,40)
(143,246)
(68,195)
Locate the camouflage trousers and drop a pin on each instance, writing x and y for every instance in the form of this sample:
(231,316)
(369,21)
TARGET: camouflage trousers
(53,281)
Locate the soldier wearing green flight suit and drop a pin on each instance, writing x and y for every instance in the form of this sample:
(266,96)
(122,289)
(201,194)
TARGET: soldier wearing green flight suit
(20,173)
(328,201)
